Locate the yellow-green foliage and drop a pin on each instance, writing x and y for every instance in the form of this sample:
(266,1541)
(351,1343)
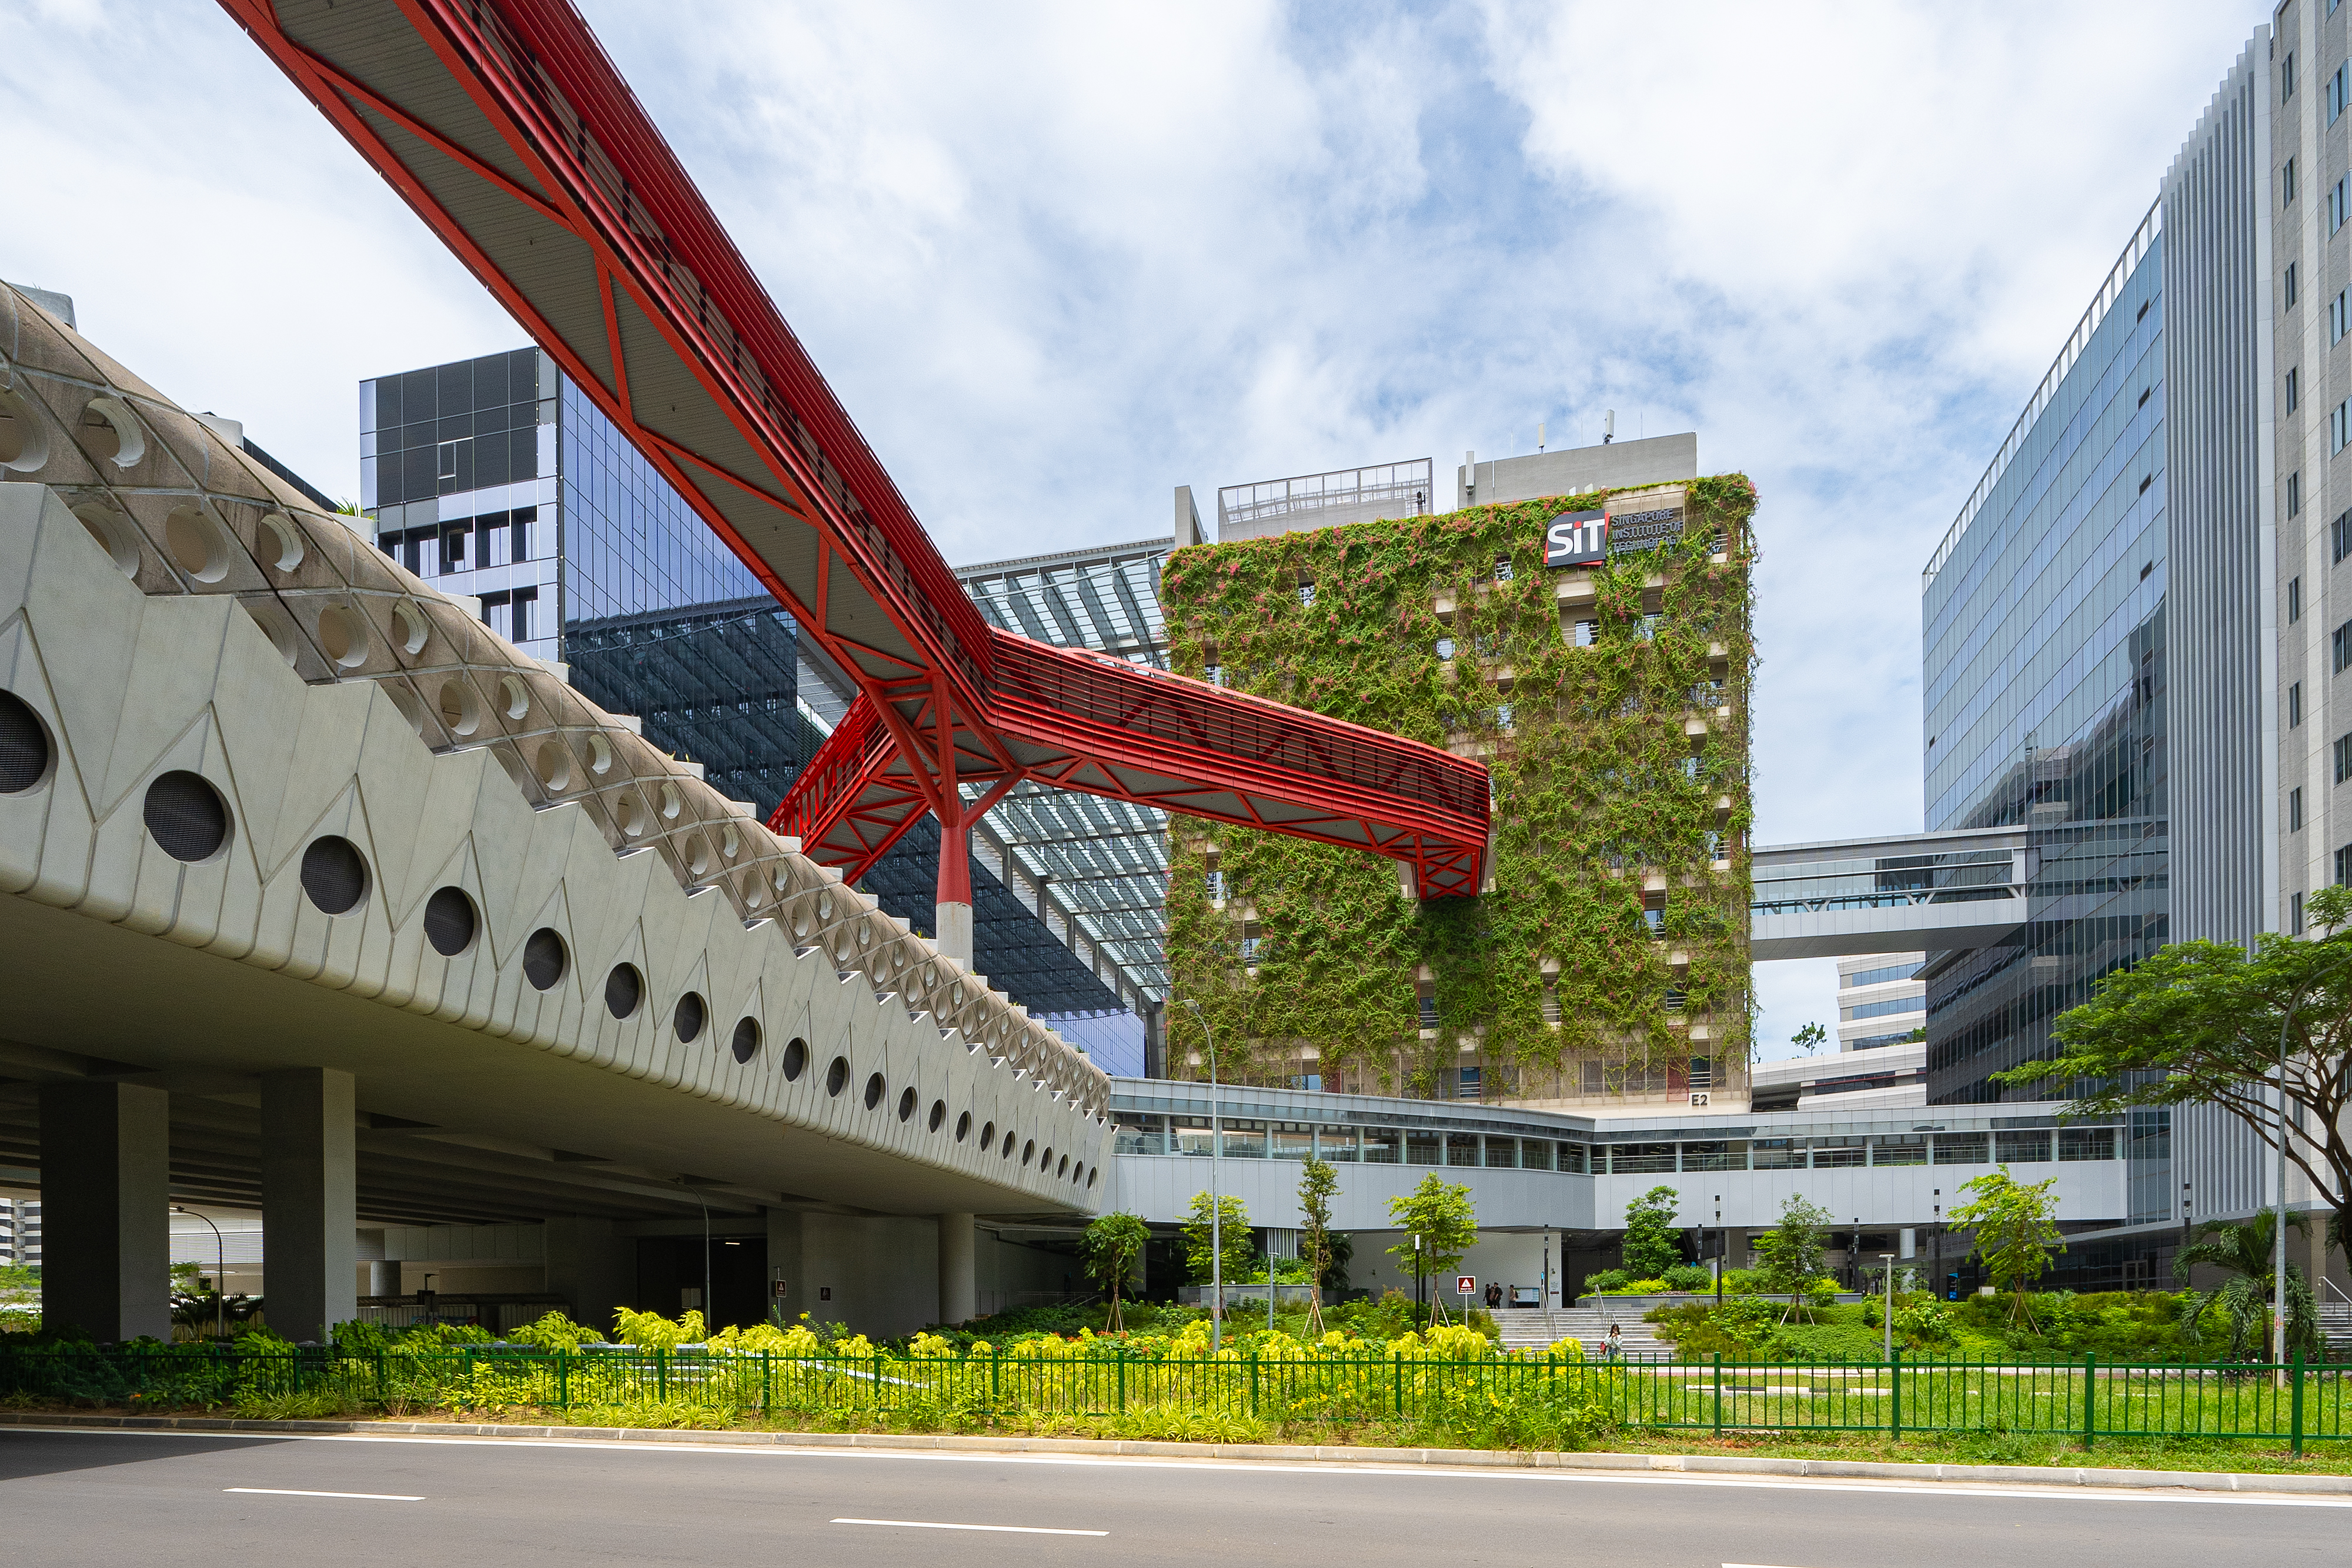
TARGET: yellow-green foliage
(1590,773)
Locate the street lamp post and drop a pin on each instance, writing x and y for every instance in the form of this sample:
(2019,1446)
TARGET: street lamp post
(1886,1319)
(220,1271)
(1722,1250)
(1216,1198)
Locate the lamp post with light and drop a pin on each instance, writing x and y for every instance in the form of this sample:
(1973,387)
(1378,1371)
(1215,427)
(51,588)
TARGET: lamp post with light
(220,1271)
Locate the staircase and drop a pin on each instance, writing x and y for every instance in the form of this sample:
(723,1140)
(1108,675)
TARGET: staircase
(2335,1326)
(1531,1328)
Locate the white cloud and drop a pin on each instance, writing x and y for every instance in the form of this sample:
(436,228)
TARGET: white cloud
(1057,258)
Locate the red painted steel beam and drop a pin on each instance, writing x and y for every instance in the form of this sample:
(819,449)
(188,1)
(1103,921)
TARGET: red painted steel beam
(508,131)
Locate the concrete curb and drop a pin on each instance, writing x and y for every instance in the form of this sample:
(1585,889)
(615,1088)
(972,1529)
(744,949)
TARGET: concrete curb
(1469,1459)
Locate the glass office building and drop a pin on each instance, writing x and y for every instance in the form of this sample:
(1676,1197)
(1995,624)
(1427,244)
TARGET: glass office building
(2044,686)
(2099,665)
(497,479)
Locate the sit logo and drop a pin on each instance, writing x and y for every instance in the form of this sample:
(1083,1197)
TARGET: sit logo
(1576,539)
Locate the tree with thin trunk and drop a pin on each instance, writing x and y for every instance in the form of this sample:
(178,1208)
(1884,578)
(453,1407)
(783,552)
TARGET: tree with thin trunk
(1319,1183)
(2198,1024)
(1110,1247)
(2016,1230)
(1791,1252)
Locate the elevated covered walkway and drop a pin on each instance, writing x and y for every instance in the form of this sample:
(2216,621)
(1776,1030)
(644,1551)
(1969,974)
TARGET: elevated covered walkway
(1900,892)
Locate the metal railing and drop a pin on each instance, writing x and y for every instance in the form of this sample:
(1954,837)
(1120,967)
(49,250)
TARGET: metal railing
(2084,1399)
(1316,491)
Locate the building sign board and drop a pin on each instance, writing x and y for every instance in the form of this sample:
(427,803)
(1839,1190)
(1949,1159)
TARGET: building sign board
(1576,539)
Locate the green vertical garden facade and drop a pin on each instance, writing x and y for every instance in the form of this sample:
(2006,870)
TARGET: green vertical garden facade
(1607,960)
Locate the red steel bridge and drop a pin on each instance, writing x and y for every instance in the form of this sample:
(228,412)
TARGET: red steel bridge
(505,126)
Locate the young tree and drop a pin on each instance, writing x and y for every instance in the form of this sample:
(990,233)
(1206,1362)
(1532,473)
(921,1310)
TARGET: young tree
(2198,1024)
(2015,1229)
(1110,1247)
(1319,1183)
(1809,1038)
(1439,1213)
(1791,1252)
(1652,1245)
(1232,1239)
(2244,1252)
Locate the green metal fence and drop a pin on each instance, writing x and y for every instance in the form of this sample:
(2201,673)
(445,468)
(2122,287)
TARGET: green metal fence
(2086,1399)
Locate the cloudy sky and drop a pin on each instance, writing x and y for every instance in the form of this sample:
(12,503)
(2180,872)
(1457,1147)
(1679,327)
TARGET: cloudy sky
(1057,259)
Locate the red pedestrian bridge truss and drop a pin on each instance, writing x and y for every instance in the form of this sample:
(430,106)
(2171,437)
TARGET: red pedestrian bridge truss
(505,126)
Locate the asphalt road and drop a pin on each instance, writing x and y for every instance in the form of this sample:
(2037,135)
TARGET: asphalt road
(131,1498)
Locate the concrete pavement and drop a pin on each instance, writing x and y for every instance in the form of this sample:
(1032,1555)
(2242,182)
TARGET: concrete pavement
(111,1497)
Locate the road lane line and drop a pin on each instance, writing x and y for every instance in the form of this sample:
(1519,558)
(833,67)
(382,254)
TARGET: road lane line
(288,1491)
(1004,1529)
(2068,1491)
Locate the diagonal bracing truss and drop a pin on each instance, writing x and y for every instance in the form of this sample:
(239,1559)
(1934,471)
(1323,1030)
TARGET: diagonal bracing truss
(504,125)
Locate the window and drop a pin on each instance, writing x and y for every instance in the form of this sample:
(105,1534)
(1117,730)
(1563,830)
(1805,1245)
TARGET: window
(1588,633)
(2286,183)
(2335,86)
(2294,706)
(1307,593)
(2336,197)
(2339,535)
(1880,975)
(2294,809)
(1215,675)
(2290,283)
(1445,647)
(2339,424)
(2343,641)
(2295,916)
(2336,314)
(2087,1143)
(2295,598)
(1503,716)
(2295,394)
(1216,886)
(1502,568)
(2344,866)
(2021,1148)
(2343,757)
(2286,77)
(2295,494)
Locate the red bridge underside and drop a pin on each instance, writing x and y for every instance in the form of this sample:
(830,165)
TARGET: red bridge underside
(507,128)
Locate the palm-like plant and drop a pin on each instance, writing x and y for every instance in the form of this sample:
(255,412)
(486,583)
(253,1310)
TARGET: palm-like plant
(2244,1298)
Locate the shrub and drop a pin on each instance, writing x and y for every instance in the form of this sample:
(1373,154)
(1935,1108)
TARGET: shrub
(1689,1277)
(1606,1281)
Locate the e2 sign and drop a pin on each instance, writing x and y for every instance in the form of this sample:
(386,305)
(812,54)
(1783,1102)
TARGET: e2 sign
(1576,539)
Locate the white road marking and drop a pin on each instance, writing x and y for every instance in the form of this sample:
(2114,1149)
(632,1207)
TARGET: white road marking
(2058,1492)
(1004,1529)
(288,1491)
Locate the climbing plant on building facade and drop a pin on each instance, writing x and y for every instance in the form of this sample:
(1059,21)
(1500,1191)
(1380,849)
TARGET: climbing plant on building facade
(1609,954)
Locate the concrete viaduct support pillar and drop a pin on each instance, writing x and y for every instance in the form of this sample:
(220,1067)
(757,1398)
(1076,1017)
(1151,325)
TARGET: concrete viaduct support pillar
(959,1269)
(310,1202)
(106,1209)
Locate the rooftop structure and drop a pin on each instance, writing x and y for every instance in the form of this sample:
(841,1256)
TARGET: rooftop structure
(1268,506)
(1573,470)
